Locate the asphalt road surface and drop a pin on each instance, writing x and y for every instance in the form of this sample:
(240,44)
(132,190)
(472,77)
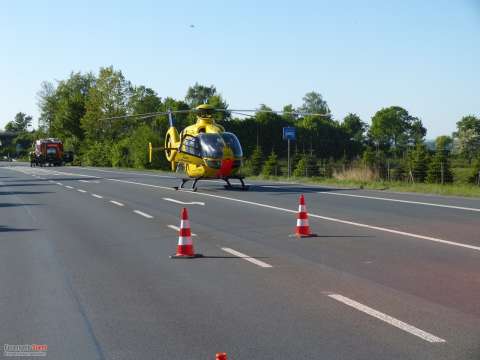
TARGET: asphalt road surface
(85,270)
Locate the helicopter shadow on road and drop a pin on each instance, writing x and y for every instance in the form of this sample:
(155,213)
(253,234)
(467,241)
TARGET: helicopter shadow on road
(7,205)
(4,228)
(25,192)
(287,189)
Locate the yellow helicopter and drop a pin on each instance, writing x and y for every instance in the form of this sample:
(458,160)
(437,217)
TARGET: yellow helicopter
(205,150)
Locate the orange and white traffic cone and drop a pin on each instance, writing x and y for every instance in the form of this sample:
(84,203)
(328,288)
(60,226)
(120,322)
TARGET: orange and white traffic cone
(303,228)
(221,356)
(185,244)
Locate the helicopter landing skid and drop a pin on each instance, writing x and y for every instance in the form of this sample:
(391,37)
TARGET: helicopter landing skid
(239,178)
(229,185)
(184,181)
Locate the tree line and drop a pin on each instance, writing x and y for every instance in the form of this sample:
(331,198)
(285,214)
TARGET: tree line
(78,111)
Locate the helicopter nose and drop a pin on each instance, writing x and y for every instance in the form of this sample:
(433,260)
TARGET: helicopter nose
(226,167)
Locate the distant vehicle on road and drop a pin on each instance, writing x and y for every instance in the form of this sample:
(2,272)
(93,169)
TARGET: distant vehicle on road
(47,152)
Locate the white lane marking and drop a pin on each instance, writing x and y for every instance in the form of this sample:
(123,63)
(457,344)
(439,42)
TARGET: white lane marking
(97,196)
(247,258)
(378,228)
(51,181)
(176,228)
(59,183)
(81,190)
(388,319)
(401,201)
(184,203)
(141,213)
(273,187)
(130,172)
(69,187)
(90,181)
(116,203)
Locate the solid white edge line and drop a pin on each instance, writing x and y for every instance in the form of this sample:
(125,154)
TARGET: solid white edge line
(401,201)
(141,213)
(97,196)
(392,231)
(116,203)
(81,190)
(388,319)
(247,258)
(184,203)
(176,228)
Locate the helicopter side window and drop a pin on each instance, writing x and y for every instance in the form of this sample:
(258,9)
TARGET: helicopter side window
(232,142)
(212,145)
(191,145)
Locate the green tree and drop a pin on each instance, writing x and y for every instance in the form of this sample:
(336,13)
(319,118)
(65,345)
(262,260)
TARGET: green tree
(394,128)
(354,129)
(199,94)
(467,137)
(314,103)
(439,169)
(301,167)
(419,162)
(475,174)
(108,98)
(271,165)
(20,124)
(256,161)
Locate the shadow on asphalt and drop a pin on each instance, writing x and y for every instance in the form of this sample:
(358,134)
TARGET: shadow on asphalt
(279,189)
(232,257)
(14,205)
(12,185)
(24,192)
(9,229)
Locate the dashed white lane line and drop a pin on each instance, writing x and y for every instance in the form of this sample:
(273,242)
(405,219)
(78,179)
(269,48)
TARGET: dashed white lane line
(116,203)
(59,183)
(81,190)
(97,196)
(84,181)
(388,319)
(141,213)
(176,228)
(341,221)
(184,203)
(69,187)
(247,258)
(401,201)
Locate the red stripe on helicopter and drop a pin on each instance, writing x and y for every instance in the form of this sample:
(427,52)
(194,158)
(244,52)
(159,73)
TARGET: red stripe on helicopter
(225,167)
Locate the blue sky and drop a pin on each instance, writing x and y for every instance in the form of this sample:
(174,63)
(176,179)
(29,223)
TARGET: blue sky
(360,55)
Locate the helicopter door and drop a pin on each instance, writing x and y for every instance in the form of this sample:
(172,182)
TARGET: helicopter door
(190,150)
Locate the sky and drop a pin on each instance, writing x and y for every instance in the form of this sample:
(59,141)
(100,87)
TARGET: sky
(360,55)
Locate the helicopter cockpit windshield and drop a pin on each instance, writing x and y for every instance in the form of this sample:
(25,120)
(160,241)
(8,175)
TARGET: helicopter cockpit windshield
(232,142)
(212,145)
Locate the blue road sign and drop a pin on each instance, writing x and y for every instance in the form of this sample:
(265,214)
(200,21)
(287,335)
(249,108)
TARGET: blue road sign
(289,133)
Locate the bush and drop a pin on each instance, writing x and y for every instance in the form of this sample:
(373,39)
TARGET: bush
(271,165)
(256,161)
(475,174)
(97,154)
(438,165)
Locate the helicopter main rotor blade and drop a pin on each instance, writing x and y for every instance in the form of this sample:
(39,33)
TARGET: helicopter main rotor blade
(233,111)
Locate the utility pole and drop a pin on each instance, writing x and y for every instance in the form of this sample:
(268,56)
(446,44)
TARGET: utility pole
(288,159)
